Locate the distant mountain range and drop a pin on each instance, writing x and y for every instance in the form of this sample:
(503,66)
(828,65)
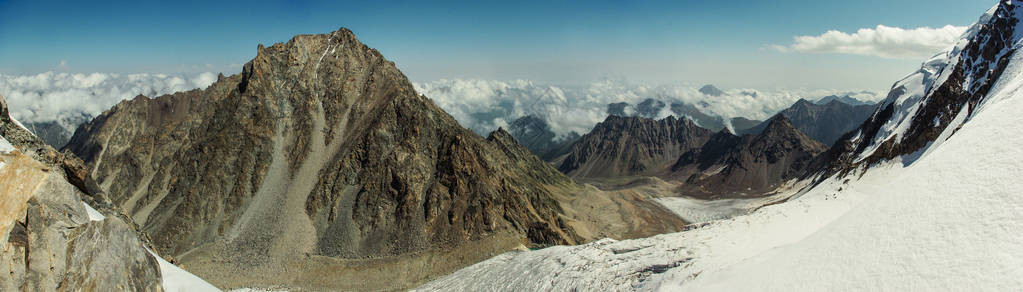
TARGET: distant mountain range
(636,140)
(711,165)
(824,122)
(631,146)
(846,99)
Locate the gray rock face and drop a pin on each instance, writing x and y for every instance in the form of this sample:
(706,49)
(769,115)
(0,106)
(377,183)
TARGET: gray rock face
(319,167)
(107,254)
(48,242)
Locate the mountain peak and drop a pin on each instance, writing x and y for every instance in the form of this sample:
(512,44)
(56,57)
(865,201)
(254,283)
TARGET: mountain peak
(803,102)
(711,90)
(500,134)
(322,147)
(781,126)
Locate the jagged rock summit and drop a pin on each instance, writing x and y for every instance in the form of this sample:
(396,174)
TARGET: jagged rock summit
(319,167)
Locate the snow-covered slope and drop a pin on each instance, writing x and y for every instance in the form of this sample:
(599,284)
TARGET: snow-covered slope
(941,209)
(176,279)
(950,221)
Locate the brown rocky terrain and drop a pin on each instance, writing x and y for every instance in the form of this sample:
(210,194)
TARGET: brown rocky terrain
(748,165)
(632,146)
(49,242)
(319,167)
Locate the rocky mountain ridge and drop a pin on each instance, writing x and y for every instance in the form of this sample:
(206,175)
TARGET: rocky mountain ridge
(320,167)
(629,146)
(706,164)
(748,165)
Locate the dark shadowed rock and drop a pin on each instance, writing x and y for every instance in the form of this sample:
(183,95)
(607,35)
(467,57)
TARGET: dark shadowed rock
(750,165)
(535,134)
(650,108)
(846,99)
(741,125)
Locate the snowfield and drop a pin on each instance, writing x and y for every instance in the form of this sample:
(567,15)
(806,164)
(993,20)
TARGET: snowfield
(176,279)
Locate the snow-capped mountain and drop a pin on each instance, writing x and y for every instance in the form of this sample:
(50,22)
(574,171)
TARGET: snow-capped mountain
(934,203)
(946,92)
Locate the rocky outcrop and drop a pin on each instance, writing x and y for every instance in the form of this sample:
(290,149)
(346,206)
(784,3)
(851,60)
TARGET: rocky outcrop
(749,165)
(822,122)
(49,242)
(631,146)
(319,167)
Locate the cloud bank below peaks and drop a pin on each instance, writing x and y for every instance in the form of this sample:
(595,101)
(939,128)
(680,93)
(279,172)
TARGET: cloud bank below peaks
(49,96)
(485,105)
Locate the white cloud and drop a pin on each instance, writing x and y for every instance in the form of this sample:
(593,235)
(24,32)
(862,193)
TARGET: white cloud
(484,105)
(481,105)
(50,96)
(882,41)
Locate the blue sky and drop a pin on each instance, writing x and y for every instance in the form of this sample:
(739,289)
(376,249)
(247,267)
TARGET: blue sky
(721,42)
